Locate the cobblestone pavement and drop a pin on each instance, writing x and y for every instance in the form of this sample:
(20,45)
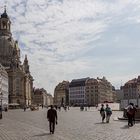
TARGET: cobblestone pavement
(72,125)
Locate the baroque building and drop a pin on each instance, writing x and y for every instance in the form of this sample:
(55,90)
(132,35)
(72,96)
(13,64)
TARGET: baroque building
(20,79)
(49,99)
(38,96)
(41,97)
(61,94)
(131,89)
(131,92)
(99,91)
(91,91)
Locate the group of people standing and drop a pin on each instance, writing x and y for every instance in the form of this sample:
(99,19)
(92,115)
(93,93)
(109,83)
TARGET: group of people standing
(105,113)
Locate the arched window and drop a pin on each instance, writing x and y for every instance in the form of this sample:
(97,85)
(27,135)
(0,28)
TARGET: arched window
(4,25)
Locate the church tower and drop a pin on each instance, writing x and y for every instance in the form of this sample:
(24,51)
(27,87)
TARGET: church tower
(20,80)
(26,65)
(5,24)
(9,50)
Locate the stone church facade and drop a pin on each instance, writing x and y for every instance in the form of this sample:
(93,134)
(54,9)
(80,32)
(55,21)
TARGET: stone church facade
(20,79)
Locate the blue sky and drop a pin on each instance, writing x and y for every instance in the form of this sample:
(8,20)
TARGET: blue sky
(66,39)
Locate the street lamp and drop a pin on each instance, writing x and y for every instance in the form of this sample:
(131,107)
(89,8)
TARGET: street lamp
(1,96)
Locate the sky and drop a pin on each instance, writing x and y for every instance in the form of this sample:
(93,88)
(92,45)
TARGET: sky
(72,39)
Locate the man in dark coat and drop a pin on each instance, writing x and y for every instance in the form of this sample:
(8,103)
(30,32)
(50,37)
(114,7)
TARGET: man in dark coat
(102,112)
(52,118)
(130,114)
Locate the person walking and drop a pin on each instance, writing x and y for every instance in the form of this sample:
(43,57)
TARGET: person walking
(130,114)
(52,118)
(24,108)
(42,106)
(102,112)
(108,113)
(65,108)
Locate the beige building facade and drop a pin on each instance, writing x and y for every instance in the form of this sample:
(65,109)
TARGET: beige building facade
(131,89)
(38,97)
(49,100)
(131,92)
(98,91)
(61,94)
(106,92)
(41,97)
(91,92)
(20,79)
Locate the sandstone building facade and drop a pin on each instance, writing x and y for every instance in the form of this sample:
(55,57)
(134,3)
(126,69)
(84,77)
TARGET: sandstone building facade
(99,91)
(61,94)
(41,97)
(131,89)
(131,92)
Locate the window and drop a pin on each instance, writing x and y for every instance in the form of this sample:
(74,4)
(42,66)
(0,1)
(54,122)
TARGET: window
(4,25)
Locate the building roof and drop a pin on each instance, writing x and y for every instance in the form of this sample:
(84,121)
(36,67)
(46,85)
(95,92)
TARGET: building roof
(78,82)
(132,81)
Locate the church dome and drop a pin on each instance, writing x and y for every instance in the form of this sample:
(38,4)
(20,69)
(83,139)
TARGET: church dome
(4,15)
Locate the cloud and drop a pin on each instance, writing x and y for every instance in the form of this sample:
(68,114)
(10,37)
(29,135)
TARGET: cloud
(66,39)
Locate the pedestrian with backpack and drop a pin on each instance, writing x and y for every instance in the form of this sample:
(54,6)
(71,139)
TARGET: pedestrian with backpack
(130,114)
(108,113)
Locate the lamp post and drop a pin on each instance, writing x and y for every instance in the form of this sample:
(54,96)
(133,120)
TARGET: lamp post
(1,96)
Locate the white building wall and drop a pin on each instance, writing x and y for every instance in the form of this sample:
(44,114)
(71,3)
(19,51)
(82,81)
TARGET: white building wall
(125,103)
(77,95)
(134,101)
(4,85)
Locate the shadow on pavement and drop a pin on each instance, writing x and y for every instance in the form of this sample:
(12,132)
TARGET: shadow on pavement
(100,123)
(43,134)
(125,127)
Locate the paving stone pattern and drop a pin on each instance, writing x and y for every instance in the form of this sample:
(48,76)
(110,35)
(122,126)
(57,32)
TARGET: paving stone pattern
(72,125)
